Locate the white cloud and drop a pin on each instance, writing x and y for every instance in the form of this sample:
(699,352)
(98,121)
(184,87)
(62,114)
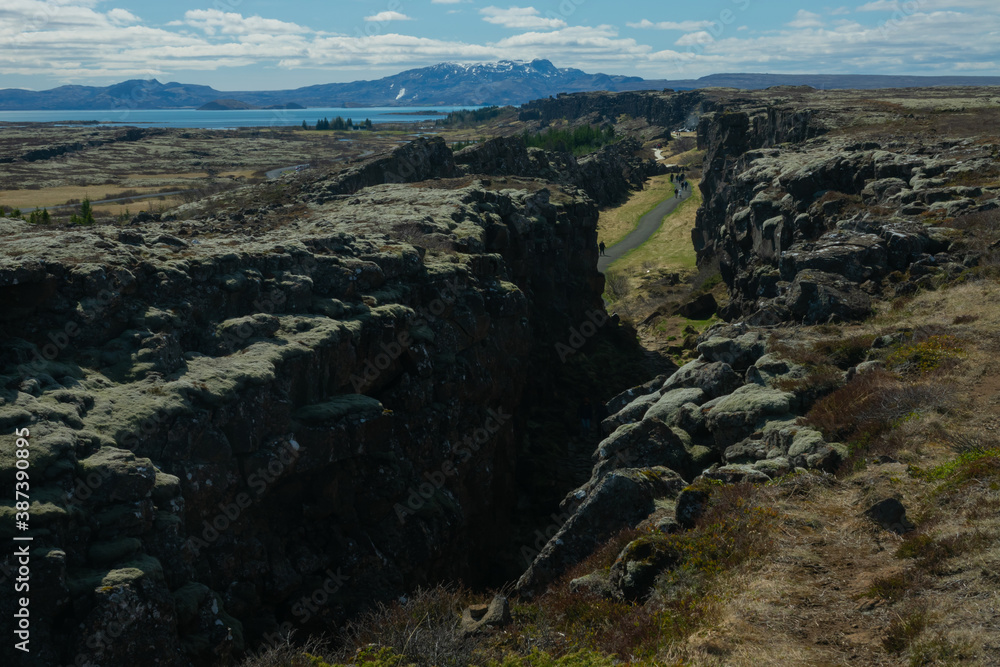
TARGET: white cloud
(524,18)
(123,17)
(879,6)
(73,41)
(694,38)
(212,21)
(805,19)
(685,26)
(383,17)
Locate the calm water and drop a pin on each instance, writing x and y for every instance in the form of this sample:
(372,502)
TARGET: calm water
(227,119)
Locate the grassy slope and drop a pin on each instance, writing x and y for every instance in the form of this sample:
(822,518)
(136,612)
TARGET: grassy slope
(616,223)
(670,247)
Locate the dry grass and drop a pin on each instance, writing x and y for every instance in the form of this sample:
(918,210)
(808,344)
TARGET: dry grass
(616,223)
(26,199)
(670,248)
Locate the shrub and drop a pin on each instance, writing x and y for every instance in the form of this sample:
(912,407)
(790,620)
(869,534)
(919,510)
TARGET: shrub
(904,630)
(925,356)
(930,553)
(541,659)
(618,286)
(580,141)
(870,406)
(893,588)
(425,630)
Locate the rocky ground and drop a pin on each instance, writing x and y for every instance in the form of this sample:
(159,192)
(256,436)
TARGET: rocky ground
(264,410)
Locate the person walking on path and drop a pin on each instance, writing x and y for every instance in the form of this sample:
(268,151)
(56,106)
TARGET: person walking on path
(601,247)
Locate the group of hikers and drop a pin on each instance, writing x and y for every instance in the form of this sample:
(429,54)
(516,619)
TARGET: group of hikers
(681,183)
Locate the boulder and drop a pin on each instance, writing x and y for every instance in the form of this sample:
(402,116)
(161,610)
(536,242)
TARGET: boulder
(692,503)
(647,444)
(746,451)
(622,499)
(631,413)
(629,395)
(667,409)
(479,618)
(890,514)
(770,368)
(817,297)
(736,473)
(123,477)
(741,413)
(714,378)
(635,570)
(595,583)
(739,353)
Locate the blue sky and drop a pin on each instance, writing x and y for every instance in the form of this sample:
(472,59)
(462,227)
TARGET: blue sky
(270,44)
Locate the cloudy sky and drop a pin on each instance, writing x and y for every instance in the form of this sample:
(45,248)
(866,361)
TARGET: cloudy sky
(277,44)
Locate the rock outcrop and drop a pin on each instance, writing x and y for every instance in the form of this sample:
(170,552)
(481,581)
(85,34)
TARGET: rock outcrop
(811,227)
(239,430)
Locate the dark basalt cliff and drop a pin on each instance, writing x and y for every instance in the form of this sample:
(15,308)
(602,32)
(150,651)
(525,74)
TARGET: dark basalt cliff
(811,226)
(662,109)
(238,434)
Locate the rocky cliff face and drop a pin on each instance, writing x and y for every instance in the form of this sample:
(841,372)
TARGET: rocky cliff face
(662,109)
(238,430)
(607,176)
(810,226)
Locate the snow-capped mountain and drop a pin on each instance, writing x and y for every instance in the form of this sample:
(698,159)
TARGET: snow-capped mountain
(503,82)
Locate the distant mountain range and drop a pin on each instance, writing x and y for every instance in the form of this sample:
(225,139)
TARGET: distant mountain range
(504,82)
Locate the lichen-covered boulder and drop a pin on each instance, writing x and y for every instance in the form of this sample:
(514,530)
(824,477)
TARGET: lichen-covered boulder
(639,564)
(735,473)
(629,395)
(741,413)
(817,297)
(116,475)
(770,368)
(739,353)
(622,499)
(667,409)
(631,413)
(714,378)
(648,444)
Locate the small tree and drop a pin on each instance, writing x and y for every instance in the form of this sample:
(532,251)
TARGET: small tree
(86,216)
(305,126)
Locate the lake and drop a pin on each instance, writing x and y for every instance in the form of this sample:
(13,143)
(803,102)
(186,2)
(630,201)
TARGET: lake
(219,120)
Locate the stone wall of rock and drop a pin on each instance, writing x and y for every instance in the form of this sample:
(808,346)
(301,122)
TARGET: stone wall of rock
(607,175)
(810,227)
(234,435)
(664,109)
(723,416)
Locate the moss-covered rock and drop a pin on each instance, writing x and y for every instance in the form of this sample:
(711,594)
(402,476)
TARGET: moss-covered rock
(356,406)
(639,564)
(116,475)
